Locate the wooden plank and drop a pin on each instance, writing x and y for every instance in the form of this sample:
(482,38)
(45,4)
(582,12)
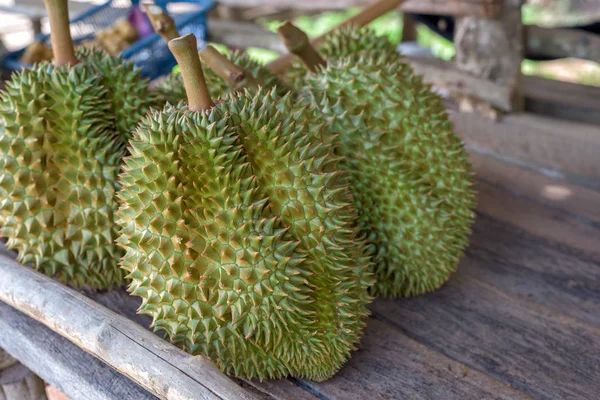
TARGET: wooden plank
(565,100)
(390,365)
(492,50)
(481,8)
(556,193)
(536,264)
(533,349)
(79,375)
(283,389)
(550,146)
(238,34)
(563,43)
(156,365)
(444,75)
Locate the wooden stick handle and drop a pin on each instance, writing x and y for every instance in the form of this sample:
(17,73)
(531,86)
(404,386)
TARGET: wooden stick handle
(60,32)
(368,14)
(185,50)
(235,76)
(162,22)
(297,42)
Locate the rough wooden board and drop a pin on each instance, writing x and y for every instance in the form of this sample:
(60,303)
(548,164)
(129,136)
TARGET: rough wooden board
(579,103)
(158,366)
(79,375)
(565,229)
(237,34)
(563,43)
(283,389)
(482,8)
(536,350)
(549,146)
(390,365)
(556,193)
(442,74)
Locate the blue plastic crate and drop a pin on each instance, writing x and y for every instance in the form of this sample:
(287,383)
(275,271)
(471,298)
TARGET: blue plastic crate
(150,53)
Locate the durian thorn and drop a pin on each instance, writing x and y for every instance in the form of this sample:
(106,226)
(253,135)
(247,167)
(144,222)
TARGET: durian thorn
(185,50)
(60,32)
(297,42)
(236,77)
(368,14)
(162,22)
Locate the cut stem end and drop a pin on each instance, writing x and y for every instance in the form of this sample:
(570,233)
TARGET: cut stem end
(298,43)
(162,22)
(185,50)
(236,77)
(60,32)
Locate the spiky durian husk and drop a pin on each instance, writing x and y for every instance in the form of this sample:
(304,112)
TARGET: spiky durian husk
(411,179)
(171,89)
(127,90)
(340,43)
(238,237)
(58,163)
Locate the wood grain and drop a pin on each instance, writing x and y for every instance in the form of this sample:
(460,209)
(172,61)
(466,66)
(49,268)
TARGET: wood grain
(482,8)
(549,146)
(390,365)
(59,362)
(536,350)
(156,365)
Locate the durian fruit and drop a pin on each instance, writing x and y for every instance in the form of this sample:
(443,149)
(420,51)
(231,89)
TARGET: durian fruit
(410,176)
(63,128)
(239,232)
(340,43)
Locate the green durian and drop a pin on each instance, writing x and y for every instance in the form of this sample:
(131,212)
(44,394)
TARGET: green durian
(239,232)
(340,43)
(171,88)
(61,146)
(410,175)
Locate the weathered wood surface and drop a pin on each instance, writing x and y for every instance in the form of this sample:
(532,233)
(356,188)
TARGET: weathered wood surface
(563,43)
(562,99)
(518,320)
(156,365)
(481,8)
(61,363)
(493,50)
(17,381)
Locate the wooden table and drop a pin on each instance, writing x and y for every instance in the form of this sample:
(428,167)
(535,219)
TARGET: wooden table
(520,318)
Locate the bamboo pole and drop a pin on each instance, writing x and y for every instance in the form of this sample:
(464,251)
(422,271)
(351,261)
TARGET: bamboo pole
(368,14)
(158,366)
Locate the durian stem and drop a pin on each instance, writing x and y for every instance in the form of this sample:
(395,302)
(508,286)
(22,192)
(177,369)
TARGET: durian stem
(236,77)
(162,22)
(185,50)
(368,14)
(60,32)
(297,42)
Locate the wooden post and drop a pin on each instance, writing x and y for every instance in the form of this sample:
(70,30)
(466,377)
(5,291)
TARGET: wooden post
(493,49)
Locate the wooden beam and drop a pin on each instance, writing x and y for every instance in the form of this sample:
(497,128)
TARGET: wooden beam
(493,50)
(480,8)
(563,43)
(236,34)
(564,100)
(77,374)
(156,365)
(444,75)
